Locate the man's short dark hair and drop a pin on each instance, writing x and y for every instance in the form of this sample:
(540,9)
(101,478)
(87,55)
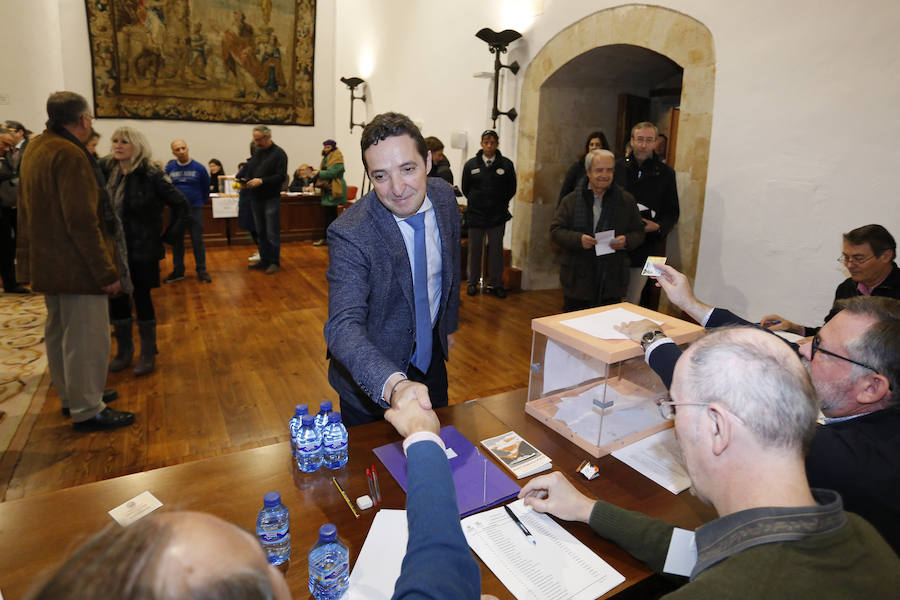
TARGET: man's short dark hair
(433,144)
(15,126)
(879,345)
(490,133)
(391,124)
(878,238)
(65,108)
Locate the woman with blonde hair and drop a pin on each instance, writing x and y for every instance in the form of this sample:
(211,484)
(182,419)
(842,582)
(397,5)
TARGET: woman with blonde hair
(140,191)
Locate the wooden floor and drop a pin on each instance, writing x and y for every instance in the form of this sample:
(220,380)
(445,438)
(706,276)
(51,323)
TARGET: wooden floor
(235,357)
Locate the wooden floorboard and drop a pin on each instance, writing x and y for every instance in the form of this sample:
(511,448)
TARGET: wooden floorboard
(235,356)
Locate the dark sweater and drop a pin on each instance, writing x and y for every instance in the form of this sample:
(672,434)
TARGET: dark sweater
(820,552)
(889,288)
(270,165)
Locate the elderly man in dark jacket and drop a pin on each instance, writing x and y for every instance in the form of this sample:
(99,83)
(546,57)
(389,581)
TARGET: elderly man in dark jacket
(590,277)
(488,183)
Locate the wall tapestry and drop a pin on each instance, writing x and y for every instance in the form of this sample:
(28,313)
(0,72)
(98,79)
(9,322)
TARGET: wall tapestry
(240,61)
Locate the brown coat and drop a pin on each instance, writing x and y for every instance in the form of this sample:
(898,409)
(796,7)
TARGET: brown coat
(62,247)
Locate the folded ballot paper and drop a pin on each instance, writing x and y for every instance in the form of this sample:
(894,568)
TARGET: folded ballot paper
(479,482)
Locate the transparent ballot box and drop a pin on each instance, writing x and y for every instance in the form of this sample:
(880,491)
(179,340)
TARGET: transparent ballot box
(597,391)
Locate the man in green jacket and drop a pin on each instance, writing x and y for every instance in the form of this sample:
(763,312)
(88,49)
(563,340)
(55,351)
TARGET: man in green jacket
(330,179)
(744,411)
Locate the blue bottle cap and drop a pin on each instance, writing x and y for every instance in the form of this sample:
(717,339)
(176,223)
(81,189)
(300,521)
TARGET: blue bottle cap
(307,420)
(328,532)
(325,406)
(300,410)
(334,417)
(272,499)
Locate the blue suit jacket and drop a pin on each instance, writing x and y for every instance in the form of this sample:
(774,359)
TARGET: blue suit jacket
(371,328)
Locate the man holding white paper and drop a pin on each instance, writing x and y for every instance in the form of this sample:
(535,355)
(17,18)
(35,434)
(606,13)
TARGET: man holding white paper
(595,225)
(744,411)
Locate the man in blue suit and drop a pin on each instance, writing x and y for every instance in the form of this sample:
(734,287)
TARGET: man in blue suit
(388,338)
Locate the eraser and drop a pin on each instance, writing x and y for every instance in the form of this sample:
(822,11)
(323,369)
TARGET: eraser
(364,502)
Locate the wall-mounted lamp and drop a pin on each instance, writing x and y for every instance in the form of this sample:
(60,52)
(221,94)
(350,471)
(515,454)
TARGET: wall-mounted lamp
(497,42)
(353,83)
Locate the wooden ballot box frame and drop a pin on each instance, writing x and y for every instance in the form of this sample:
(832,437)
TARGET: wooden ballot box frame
(602,365)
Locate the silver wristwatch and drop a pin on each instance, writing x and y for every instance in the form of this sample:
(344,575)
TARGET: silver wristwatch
(650,337)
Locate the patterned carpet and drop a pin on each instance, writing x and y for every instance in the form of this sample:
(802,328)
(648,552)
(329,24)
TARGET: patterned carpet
(23,359)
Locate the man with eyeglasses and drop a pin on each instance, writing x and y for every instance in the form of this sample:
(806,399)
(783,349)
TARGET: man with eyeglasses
(651,181)
(854,364)
(869,254)
(744,412)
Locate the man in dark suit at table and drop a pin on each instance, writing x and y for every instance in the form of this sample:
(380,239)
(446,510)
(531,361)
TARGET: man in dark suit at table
(854,364)
(393,276)
(744,411)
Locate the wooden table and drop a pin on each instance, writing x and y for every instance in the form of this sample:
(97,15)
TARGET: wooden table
(302,218)
(38,532)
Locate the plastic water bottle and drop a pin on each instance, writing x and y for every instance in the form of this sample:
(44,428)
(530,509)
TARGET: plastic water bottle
(273,528)
(294,426)
(322,417)
(309,445)
(334,440)
(329,565)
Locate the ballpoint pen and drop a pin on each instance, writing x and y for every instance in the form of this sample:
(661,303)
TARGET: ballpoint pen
(377,489)
(515,519)
(371,487)
(346,499)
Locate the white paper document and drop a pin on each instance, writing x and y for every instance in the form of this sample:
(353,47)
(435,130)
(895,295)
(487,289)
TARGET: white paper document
(603,239)
(556,567)
(625,416)
(378,565)
(565,367)
(600,325)
(658,458)
(140,506)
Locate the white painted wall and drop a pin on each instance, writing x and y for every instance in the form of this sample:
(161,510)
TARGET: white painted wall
(804,126)
(53,53)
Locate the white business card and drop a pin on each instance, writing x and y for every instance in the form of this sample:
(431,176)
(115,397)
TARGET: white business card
(140,506)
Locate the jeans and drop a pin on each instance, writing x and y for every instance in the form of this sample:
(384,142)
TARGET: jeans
(267,217)
(196,229)
(495,254)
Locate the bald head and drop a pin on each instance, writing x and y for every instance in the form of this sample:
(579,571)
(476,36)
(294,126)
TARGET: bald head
(180,150)
(755,376)
(166,556)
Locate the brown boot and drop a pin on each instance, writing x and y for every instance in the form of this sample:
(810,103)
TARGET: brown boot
(122,330)
(147,360)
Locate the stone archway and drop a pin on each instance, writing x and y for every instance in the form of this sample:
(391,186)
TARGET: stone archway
(679,37)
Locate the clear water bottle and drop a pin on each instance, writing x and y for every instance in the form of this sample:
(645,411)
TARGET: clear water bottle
(329,565)
(273,528)
(294,426)
(322,417)
(309,445)
(334,440)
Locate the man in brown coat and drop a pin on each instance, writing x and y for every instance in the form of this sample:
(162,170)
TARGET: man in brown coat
(66,250)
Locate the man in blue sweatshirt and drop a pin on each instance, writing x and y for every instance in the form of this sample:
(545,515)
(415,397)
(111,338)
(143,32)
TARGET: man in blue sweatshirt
(192,180)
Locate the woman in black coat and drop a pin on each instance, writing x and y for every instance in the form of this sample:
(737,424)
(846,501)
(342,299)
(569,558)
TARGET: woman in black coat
(140,191)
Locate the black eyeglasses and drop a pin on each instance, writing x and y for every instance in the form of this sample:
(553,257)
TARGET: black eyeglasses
(817,348)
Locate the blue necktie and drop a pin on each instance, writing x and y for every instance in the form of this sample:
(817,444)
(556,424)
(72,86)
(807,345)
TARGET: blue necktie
(422,356)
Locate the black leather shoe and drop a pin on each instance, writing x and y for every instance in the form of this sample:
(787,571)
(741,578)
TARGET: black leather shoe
(260,266)
(18,290)
(106,419)
(471,289)
(108,396)
(499,292)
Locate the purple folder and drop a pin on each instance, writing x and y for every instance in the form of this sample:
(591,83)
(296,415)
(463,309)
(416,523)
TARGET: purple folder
(479,482)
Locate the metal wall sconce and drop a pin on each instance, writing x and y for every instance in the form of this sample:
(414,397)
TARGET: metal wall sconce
(353,83)
(497,42)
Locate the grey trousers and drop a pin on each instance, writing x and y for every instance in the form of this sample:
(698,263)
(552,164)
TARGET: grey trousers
(77,335)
